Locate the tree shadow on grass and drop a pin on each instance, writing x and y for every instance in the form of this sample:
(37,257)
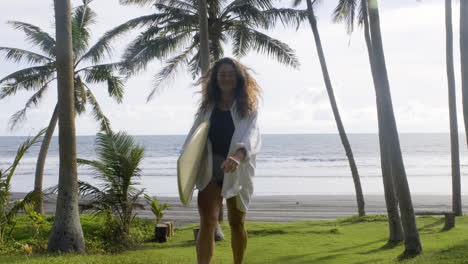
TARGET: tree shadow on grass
(277,231)
(305,258)
(355,219)
(429,227)
(455,254)
(182,244)
(267,232)
(407,255)
(358,246)
(156,245)
(386,246)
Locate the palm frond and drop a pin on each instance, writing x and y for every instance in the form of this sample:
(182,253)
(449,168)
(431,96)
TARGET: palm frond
(20,55)
(17,118)
(181,4)
(262,4)
(345,12)
(99,73)
(149,34)
(97,207)
(103,47)
(216,47)
(248,13)
(120,155)
(194,65)
(97,111)
(30,198)
(80,95)
(115,88)
(106,73)
(280,51)
(37,37)
(136,2)
(296,3)
(361,15)
(174,10)
(27,72)
(22,149)
(32,101)
(100,170)
(140,53)
(241,41)
(170,69)
(287,16)
(27,79)
(82,18)
(187,23)
(121,144)
(214,8)
(86,188)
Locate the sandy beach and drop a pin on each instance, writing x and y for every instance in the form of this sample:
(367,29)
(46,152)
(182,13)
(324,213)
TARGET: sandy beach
(288,208)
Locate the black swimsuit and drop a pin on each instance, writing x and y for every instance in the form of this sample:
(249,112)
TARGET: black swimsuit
(220,134)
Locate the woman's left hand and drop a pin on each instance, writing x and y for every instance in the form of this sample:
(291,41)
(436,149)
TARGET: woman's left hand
(232,162)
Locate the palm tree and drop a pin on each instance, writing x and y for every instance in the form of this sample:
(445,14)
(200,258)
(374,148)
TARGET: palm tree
(336,113)
(9,209)
(117,167)
(345,12)
(388,124)
(87,70)
(455,152)
(175,27)
(66,234)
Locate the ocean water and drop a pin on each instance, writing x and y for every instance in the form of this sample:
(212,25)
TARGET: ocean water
(287,164)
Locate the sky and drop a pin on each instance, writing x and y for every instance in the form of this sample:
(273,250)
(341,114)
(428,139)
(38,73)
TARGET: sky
(294,101)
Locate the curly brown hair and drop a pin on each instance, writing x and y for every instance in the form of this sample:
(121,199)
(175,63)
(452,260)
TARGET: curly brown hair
(247,92)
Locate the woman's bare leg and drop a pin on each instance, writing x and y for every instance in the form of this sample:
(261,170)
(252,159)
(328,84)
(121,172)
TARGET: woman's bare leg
(209,202)
(238,232)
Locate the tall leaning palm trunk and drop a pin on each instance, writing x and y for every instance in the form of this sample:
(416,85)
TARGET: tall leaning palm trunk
(336,113)
(455,152)
(464,60)
(39,174)
(66,234)
(412,241)
(394,220)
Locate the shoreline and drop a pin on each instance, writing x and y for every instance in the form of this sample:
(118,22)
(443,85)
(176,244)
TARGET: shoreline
(287,208)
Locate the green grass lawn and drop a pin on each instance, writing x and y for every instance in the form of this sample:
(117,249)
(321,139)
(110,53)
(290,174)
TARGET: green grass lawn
(349,240)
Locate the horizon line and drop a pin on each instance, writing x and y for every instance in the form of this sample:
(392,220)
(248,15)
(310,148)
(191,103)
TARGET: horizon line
(352,133)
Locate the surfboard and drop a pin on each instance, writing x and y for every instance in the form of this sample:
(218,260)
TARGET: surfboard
(189,163)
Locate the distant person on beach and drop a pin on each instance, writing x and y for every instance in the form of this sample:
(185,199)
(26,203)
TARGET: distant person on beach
(230,101)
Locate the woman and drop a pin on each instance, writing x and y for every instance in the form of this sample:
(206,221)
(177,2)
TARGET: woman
(230,101)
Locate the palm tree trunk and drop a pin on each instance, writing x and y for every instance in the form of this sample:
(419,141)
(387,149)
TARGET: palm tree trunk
(394,220)
(412,241)
(455,155)
(66,234)
(204,40)
(39,175)
(336,113)
(464,60)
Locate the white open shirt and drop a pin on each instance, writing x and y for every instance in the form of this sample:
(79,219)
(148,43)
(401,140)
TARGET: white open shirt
(246,135)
